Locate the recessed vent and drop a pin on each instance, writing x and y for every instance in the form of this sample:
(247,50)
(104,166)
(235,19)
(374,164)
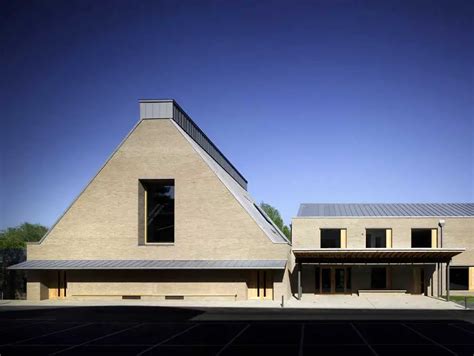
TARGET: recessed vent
(174,297)
(131,297)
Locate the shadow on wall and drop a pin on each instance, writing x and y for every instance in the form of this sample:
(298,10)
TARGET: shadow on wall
(293,275)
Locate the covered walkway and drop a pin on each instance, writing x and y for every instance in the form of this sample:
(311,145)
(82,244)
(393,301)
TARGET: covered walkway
(338,279)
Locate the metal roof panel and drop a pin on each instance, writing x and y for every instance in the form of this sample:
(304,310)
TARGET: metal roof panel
(384,209)
(148,264)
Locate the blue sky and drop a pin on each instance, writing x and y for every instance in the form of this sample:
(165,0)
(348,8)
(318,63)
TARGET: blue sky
(321,101)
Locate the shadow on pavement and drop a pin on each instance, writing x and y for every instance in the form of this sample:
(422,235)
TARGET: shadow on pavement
(104,313)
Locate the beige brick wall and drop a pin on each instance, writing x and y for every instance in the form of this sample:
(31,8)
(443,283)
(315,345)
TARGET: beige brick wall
(229,285)
(152,284)
(209,222)
(36,287)
(458,232)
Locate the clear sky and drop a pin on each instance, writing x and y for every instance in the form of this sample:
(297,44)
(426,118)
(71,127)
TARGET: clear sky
(321,101)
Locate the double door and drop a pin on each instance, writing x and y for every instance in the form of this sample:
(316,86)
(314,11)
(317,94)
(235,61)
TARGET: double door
(260,285)
(332,280)
(58,287)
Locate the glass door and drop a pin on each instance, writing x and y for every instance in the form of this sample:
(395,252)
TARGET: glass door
(340,280)
(326,280)
(333,280)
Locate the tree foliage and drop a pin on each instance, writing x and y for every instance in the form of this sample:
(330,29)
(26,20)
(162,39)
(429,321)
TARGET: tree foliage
(12,251)
(275,216)
(16,237)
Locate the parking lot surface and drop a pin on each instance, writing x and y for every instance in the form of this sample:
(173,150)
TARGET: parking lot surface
(172,331)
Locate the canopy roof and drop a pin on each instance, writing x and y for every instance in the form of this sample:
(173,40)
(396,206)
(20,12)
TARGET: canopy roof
(376,255)
(148,264)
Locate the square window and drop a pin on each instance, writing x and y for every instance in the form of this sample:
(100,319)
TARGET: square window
(330,238)
(376,238)
(459,278)
(421,238)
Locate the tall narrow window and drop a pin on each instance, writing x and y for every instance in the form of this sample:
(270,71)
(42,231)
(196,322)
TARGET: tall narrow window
(159,210)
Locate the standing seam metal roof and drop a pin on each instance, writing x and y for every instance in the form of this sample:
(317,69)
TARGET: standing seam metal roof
(396,209)
(169,109)
(149,264)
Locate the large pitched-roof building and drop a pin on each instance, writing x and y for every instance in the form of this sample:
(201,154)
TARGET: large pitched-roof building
(168,216)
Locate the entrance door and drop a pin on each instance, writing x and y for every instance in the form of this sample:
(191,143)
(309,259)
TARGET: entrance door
(378,278)
(339,280)
(418,280)
(332,280)
(260,285)
(59,288)
(326,283)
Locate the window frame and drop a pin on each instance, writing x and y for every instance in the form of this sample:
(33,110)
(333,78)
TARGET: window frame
(419,229)
(331,228)
(451,277)
(385,237)
(144,208)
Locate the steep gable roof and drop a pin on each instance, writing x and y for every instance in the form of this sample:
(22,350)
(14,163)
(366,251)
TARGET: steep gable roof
(242,195)
(169,109)
(227,174)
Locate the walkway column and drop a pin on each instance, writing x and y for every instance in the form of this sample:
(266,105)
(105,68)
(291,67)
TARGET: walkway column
(300,289)
(447,280)
(438,289)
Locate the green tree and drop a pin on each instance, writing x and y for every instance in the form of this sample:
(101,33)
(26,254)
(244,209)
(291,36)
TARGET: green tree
(17,237)
(12,251)
(275,216)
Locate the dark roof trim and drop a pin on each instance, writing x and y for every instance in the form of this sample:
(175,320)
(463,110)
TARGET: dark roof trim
(381,255)
(192,129)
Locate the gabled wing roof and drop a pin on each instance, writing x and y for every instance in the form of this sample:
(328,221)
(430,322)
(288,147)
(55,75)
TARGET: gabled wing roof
(242,196)
(397,209)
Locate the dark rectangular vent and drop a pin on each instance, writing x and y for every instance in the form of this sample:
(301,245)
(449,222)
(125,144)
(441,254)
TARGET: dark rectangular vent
(131,297)
(174,297)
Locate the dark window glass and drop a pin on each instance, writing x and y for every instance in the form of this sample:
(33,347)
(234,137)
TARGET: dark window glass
(340,280)
(349,279)
(159,210)
(459,278)
(326,280)
(378,278)
(376,238)
(331,238)
(317,278)
(421,238)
